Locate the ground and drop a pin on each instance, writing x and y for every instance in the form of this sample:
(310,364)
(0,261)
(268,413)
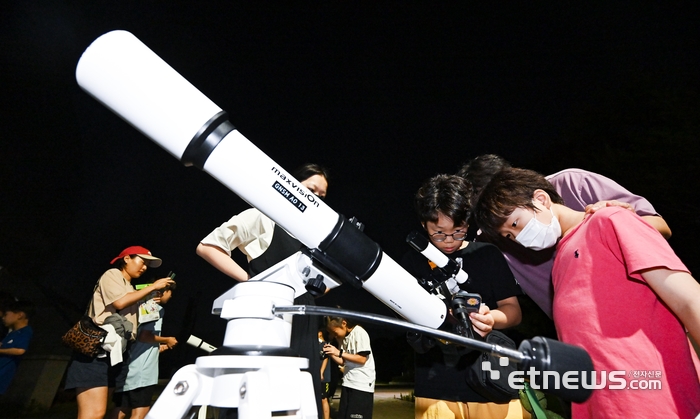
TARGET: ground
(388,404)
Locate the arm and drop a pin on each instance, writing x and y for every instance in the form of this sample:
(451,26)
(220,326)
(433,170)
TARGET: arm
(12,351)
(340,358)
(135,296)
(356,358)
(507,314)
(680,292)
(324,365)
(660,224)
(655,221)
(147,336)
(578,186)
(219,259)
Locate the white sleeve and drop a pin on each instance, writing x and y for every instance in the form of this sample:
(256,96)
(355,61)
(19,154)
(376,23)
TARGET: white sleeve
(362,343)
(240,231)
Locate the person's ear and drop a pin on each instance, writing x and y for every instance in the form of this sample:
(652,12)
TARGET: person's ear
(542,197)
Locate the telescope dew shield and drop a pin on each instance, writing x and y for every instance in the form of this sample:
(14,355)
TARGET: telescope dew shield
(126,76)
(120,71)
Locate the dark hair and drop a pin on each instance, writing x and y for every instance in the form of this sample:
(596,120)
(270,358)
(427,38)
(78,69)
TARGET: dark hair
(121,263)
(481,169)
(308,170)
(21,306)
(170,287)
(446,194)
(509,189)
(5,299)
(339,320)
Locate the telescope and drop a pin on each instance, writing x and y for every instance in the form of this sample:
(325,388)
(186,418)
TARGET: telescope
(127,77)
(451,270)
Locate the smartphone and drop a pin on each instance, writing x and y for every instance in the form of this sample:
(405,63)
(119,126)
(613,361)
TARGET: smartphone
(171,275)
(466,302)
(472,302)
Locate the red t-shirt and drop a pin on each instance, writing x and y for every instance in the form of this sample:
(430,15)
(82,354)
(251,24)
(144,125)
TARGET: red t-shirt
(602,303)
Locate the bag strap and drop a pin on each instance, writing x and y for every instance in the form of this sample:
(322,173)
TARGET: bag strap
(534,403)
(87,309)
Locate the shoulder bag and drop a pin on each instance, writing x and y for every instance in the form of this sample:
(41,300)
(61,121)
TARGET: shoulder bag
(85,336)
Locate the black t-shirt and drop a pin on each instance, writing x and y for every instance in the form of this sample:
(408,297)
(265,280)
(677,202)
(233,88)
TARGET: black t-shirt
(440,373)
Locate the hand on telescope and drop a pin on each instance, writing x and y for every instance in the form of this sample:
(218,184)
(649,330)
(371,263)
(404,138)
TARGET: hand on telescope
(483,321)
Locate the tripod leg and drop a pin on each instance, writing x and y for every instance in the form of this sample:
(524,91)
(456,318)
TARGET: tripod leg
(277,389)
(176,399)
(255,388)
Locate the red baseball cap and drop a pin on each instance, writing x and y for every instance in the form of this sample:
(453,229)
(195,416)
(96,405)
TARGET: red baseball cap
(143,253)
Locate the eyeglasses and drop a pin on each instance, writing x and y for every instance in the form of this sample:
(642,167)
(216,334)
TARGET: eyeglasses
(458,235)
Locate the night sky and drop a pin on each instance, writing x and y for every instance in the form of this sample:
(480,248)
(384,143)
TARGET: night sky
(384,94)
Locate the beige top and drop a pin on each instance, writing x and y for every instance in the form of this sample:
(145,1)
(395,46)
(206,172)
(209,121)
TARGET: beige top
(250,232)
(111,287)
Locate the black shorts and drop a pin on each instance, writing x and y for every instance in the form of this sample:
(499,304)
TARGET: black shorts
(326,390)
(355,404)
(138,397)
(88,372)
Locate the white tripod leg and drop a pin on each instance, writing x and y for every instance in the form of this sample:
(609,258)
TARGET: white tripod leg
(277,389)
(178,396)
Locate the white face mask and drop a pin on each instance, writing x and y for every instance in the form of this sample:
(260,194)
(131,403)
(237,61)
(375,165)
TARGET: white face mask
(538,236)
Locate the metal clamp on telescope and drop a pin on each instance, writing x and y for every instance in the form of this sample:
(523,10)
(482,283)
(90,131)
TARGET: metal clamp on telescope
(363,264)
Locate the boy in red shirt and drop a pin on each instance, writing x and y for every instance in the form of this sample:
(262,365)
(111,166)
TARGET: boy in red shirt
(619,291)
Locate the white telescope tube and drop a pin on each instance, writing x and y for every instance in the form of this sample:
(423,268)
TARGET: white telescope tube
(131,80)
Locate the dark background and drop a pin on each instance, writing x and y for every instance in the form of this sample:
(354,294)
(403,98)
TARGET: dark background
(385,94)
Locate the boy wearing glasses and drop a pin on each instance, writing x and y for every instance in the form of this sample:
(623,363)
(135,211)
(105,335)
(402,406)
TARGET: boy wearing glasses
(441,390)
